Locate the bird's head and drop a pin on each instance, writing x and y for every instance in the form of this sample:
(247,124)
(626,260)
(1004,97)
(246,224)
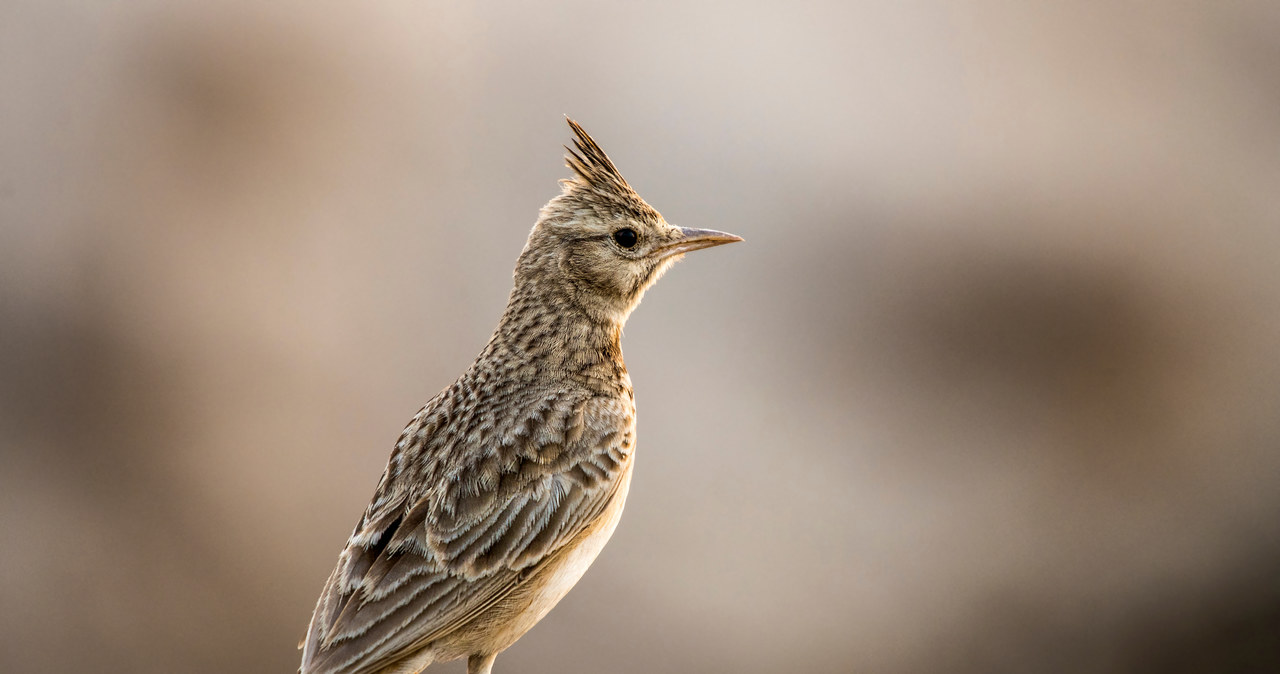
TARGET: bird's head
(599,244)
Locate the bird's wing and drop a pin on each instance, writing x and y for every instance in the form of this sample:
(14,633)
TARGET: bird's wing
(418,569)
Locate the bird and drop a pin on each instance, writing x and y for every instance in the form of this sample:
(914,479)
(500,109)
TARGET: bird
(507,484)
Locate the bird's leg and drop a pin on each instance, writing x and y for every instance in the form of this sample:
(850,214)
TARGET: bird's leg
(481,664)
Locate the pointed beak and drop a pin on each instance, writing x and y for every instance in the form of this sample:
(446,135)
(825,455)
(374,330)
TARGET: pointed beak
(694,239)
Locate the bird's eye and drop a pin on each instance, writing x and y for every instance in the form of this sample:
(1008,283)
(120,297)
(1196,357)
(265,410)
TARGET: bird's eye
(626,237)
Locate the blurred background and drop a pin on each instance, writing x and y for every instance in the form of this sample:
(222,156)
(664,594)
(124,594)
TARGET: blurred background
(991,387)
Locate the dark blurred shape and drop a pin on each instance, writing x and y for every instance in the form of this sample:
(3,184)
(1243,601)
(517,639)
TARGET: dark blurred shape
(1241,635)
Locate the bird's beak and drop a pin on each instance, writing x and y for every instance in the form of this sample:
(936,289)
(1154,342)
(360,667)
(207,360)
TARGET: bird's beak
(694,239)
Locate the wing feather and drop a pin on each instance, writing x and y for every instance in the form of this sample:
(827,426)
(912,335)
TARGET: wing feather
(419,568)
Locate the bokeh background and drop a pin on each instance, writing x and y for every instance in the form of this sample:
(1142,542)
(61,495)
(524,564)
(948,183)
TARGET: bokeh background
(992,386)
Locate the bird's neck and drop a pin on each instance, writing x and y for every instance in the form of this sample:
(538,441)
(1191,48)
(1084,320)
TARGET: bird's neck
(557,337)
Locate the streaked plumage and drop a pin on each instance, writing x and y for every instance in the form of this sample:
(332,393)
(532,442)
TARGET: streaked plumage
(507,484)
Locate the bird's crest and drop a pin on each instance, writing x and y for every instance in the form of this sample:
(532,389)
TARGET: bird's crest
(597,181)
(592,165)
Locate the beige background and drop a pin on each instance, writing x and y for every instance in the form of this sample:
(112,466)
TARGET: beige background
(991,387)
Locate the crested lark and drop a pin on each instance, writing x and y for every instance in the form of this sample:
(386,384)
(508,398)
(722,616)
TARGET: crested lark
(505,486)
